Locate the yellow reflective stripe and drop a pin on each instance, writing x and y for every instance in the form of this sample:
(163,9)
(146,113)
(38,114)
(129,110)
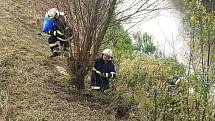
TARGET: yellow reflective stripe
(61,39)
(95,87)
(65,39)
(55,50)
(60,33)
(106,74)
(98,72)
(94,69)
(54,33)
(53,44)
(112,74)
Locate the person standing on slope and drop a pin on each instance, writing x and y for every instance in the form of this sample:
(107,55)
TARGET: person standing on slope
(103,71)
(56,26)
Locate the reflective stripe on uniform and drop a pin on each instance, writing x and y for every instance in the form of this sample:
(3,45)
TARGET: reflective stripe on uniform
(58,32)
(55,50)
(61,39)
(53,44)
(95,87)
(54,33)
(106,75)
(68,39)
(112,74)
(94,69)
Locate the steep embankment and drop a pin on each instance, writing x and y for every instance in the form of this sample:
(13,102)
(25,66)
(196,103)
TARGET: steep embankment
(30,86)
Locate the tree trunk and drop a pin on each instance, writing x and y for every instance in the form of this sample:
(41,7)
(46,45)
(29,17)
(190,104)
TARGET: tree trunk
(78,81)
(89,20)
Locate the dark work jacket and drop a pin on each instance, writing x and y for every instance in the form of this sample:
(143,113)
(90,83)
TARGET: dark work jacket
(63,27)
(98,80)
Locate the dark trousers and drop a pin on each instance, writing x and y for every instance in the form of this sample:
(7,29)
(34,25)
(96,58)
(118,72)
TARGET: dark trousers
(53,40)
(97,80)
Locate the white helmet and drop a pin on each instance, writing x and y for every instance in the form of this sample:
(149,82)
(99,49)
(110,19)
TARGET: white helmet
(108,52)
(53,12)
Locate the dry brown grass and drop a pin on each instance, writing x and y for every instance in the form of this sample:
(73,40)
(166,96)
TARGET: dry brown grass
(30,86)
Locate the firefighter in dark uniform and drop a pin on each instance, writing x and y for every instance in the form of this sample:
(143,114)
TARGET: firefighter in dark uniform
(103,71)
(61,32)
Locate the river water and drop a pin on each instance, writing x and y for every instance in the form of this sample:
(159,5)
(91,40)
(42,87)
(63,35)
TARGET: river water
(165,26)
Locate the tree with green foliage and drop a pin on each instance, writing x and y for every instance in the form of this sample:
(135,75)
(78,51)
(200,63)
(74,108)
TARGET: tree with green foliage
(117,38)
(143,43)
(202,50)
(90,20)
(145,82)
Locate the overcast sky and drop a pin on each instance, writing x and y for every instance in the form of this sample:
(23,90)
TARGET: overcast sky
(167,32)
